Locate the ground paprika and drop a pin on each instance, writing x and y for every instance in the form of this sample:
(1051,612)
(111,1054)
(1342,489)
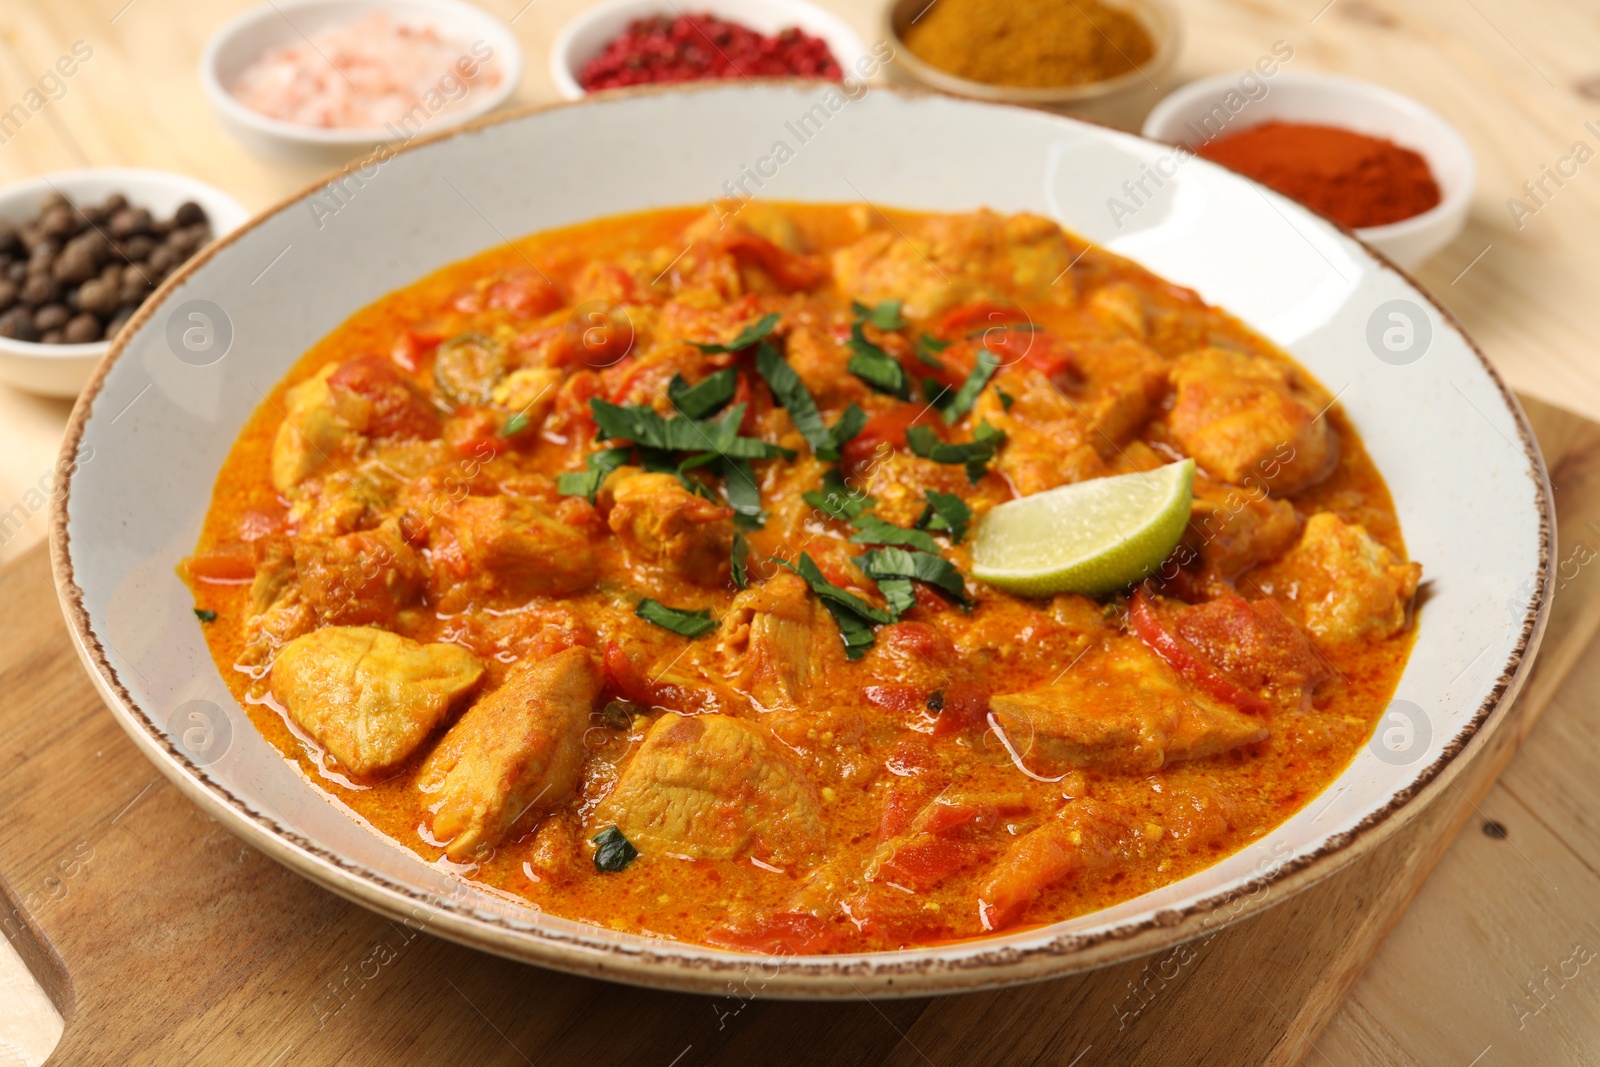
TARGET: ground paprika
(1355,179)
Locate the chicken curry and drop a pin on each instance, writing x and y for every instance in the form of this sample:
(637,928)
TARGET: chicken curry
(626,569)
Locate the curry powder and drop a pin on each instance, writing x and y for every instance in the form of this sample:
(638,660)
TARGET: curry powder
(1032,44)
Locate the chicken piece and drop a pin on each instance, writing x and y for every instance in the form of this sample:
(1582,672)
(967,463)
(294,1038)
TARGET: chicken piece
(823,366)
(663,523)
(1249,420)
(775,642)
(1050,438)
(1232,529)
(505,549)
(1123,383)
(518,748)
(1084,835)
(715,787)
(755,217)
(360,578)
(1123,710)
(530,392)
(954,259)
(368,696)
(1348,586)
(1120,306)
(318,424)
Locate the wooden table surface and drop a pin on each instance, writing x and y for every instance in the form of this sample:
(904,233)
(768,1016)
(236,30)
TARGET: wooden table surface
(1498,961)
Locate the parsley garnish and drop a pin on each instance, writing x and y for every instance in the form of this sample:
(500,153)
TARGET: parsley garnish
(739,561)
(837,500)
(975,454)
(885,316)
(615,851)
(205,614)
(882,564)
(928,349)
(705,396)
(876,531)
(947,512)
(876,367)
(954,406)
(645,426)
(688,623)
(746,337)
(744,494)
(586,483)
(514,425)
(792,393)
(854,615)
(1006,399)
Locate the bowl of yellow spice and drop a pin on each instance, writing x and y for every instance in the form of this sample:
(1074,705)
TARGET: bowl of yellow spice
(1095,59)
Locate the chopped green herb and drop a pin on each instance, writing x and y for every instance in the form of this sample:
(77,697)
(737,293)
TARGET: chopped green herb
(947,512)
(885,316)
(614,853)
(739,561)
(928,349)
(876,367)
(891,563)
(1006,399)
(205,614)
(747,336)
(705,396)
(792,393)
(687,623)
(645,426)
(898,592)
(975,454)
(934,391)
(618,714)
(744,493)
(514,425)
(587,483)
(837,500)
(876,531)
(854,615)
(956,405)
(852,420)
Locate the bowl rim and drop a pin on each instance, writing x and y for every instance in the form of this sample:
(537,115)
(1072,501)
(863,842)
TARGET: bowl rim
(454,12)
(1166,37)
(562,62)
(1451,202)
(59,180)
(697,968)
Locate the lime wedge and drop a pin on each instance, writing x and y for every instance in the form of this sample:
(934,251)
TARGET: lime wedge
(1093,537)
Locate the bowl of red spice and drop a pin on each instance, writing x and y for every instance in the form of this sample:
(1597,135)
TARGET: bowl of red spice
(1102,60)
(647,42)
(1369,158)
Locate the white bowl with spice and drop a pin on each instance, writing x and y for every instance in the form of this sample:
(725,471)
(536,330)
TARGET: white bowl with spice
(1204,113)
(1105,62)
(323,81)
(31,358)
(588,35)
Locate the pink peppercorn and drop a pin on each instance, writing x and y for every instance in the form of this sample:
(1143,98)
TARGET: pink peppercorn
(699,47)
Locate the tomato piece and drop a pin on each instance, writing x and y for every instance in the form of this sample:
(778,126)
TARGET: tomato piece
(926,863)
(1184,658)
(476,432)
(524,293)
(410,349)
(963,319)
(964,706)
(886,429)
(398,410)
(927,643)
(255,524)
(236,567)
(789,269)
(599,334)
(895,697)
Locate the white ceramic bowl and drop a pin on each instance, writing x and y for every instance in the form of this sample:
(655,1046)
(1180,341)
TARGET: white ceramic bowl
(1121,101)
(61,370)
(587,34)
(1200,111)
(148,436)
(287,22)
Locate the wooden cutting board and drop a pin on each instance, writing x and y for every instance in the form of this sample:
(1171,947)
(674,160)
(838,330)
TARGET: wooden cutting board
(164,939)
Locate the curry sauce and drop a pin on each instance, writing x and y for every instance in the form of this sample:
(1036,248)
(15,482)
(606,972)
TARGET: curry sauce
(434,550)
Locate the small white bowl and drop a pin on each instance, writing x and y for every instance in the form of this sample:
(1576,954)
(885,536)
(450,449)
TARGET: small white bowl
(587,35)
(61,370)
(1182,118)
(289,22)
